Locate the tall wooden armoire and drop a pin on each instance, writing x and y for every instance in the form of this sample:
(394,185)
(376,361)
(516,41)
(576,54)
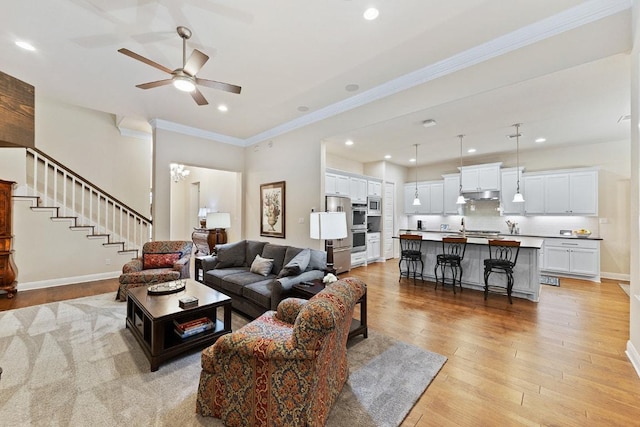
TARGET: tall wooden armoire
(8,270)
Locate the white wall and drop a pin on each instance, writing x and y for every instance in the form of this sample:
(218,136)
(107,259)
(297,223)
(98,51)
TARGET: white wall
(172,147)
(89,143)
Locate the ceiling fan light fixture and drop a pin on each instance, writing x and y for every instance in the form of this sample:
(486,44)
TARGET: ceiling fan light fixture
(184,83)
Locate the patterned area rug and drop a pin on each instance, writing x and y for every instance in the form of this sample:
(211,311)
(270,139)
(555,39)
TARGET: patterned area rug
(73,363)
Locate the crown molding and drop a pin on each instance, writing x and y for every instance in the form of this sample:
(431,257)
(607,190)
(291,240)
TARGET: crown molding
(199,133)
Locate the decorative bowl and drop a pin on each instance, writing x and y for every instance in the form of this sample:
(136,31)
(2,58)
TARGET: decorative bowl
(582,234)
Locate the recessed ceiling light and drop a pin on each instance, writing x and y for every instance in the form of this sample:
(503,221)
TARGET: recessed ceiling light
(428,123)
(412,160)
(223,108)
(303,108)
(348,142)
(371,14)
(388,156)
(471,150)
(351,87)
(541,140)
(25,45)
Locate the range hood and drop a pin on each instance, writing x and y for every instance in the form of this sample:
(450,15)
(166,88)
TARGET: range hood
(482,195)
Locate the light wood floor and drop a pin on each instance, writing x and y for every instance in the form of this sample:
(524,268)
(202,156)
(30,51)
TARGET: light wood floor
(559,362)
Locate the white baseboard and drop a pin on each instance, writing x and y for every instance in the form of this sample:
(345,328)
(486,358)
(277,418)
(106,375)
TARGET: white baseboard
(616,276)
(633,356)
(66,281)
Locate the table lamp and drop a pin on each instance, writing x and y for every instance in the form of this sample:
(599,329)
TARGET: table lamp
(328,226)
(202,214)
(218,221)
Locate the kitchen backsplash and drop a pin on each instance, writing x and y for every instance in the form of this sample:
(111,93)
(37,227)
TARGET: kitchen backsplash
(532,225)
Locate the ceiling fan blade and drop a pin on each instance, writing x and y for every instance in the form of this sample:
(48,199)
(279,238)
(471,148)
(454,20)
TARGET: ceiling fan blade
(195,62)
(145,60)
(151,85)
(219,85)
(198,97)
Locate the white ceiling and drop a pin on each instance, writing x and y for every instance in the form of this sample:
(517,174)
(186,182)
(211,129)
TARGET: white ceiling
(559,67)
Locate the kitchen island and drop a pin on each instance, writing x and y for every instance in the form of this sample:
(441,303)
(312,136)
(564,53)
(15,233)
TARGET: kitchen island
(526,273)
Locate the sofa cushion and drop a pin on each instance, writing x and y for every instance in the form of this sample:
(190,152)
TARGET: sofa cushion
(259,292)
(276,253)
(253,248)
(217,276)
(297,264)
(317,260)
(165,260)
(231,254)
(261,266)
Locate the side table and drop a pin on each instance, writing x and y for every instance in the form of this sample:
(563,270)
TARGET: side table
(306,290)
(198,273)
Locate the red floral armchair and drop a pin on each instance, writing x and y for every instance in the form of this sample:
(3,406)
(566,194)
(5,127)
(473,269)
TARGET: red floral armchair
(287,367)
(161,261)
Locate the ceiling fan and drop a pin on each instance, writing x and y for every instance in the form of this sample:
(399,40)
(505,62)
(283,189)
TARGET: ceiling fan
(184,78)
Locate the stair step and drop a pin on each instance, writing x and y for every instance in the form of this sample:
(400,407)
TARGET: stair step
(81,227)
(33,199)
(44,208)
(97,236)
(64,218)
(113,244)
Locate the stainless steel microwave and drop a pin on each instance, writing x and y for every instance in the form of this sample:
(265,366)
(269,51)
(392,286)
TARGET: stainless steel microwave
(374,206)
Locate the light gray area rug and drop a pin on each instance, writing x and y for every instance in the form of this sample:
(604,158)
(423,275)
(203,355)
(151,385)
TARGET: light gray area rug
(73,363)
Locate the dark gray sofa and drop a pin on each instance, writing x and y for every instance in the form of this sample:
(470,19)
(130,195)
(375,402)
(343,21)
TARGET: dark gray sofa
(229,272)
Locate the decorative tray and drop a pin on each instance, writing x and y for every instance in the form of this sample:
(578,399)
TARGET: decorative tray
(166,288)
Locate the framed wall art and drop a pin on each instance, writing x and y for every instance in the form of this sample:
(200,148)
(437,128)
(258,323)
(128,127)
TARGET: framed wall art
(272,209)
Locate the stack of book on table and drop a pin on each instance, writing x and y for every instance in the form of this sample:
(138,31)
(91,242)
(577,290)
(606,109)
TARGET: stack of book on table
(192,327)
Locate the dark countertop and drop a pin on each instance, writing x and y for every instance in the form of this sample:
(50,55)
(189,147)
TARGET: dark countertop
(505,235)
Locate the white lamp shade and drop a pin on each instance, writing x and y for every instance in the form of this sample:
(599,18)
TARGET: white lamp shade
(416,202)
(202,212)
(328,225)
(461,200)
(218,220)
(517,198)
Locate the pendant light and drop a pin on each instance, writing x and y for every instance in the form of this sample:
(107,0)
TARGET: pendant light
(460,200)
(416,201)
(517,198)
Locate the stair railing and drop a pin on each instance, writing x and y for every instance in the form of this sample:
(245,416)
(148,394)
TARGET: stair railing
(76,197)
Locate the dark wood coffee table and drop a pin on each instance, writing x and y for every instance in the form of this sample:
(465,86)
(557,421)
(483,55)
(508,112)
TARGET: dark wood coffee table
(306,290)
(150,318)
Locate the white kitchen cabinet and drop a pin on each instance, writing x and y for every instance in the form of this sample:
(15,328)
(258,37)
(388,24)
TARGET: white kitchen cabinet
(580,257)
(508,188)
(374,188)
(373,246)
(451,192)
(533,194)
(358,258)
(358,190)
(481,177)
(571,192)
(336,185)
(431,198)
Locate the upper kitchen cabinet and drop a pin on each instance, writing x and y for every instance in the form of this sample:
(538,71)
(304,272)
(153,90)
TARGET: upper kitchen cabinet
(570,192)
(358,190)
(336,185)
(533,194)
(573,193)
(508,188)
(374,188)
(481,177)
(431,195)
(451,192)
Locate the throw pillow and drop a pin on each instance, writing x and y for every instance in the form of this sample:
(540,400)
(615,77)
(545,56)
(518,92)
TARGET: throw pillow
(261,266)
(297,265)
(318,260)
(159,260)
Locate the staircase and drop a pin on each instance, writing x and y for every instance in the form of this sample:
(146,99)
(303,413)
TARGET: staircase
(61,193)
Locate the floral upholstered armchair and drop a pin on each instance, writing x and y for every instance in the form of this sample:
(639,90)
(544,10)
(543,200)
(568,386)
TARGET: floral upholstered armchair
(287,367)
(161,261)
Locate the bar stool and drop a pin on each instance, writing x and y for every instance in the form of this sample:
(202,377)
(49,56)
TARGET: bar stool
(453,249)
(503,255)
(411,254)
